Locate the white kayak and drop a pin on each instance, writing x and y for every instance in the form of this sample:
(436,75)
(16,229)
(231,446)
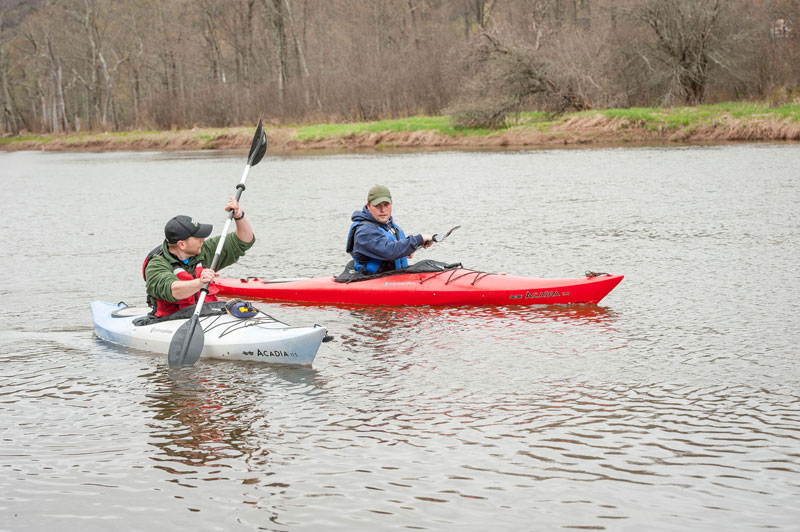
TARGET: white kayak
(259,338)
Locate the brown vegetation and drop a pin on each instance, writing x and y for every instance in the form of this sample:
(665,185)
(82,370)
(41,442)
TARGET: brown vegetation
(106,65)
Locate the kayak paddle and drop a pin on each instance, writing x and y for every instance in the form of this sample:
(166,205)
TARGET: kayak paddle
(187,343)
(437,238)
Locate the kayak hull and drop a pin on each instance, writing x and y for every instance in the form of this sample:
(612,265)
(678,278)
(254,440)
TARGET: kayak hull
(448,288)
(259,339)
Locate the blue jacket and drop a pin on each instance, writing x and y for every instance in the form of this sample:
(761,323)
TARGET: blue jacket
(379,246)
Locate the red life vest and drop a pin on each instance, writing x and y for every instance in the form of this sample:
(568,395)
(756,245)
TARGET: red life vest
(162,307)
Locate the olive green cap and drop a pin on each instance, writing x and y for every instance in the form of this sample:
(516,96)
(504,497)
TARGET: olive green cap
(378,194)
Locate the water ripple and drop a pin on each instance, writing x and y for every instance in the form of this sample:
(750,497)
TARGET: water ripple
(671,406)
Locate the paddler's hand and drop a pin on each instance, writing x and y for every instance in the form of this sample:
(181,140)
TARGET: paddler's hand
(234,206)
(427,241)
(184,289)
(208,275)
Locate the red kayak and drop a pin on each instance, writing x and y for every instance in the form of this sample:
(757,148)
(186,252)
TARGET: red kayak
(449,287)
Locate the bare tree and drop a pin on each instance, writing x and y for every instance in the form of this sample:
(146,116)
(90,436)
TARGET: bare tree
(686,39)
(506,78)
(59,108)
(238,27)
(9,107)
(274,9)
(47,65)
(210,13)
(301,58)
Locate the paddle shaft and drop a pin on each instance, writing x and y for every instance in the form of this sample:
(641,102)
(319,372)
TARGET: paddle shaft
(239,189)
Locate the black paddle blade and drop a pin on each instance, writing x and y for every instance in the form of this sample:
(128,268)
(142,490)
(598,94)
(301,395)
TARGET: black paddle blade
(187,343)
(437,238)
(258,147)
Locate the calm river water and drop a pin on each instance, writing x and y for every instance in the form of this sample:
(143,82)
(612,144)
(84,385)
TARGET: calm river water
(672,405)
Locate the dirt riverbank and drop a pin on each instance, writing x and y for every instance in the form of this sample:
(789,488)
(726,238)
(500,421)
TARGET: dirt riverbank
(572,131)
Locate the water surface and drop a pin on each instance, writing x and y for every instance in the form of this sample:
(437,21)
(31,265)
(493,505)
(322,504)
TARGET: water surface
(672,405)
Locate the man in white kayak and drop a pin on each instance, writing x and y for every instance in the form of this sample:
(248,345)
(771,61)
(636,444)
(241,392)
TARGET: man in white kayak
(375,242)
(176,271)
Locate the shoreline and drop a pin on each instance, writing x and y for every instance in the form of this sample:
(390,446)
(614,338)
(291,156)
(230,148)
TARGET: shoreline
(588,129)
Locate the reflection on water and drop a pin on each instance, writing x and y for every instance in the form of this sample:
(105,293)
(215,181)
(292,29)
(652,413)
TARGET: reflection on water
(671,406)
(200,428)
(202,419)
(480,316)
(375,329)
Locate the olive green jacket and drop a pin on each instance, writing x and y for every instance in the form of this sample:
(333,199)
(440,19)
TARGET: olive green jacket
(160,270)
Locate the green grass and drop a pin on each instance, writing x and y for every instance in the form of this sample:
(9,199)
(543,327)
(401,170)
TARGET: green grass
(135,134)
(535,119)
(650,118)
(681,117)
(26,138)
(791,111)
(438,124)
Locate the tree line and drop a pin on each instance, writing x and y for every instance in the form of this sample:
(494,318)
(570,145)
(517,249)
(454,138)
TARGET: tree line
(102,65)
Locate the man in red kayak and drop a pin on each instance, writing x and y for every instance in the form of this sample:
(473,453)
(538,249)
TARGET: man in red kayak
(375,242)
(176,271)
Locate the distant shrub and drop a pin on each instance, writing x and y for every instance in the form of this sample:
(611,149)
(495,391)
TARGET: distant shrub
(478,114)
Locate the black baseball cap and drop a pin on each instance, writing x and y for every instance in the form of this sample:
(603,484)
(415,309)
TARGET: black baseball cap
(182,227)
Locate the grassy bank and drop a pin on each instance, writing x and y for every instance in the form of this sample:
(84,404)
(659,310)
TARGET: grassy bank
(706,123)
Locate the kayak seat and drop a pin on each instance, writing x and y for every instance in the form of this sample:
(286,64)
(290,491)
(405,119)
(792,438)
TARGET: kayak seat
(211,308)
(350,275)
